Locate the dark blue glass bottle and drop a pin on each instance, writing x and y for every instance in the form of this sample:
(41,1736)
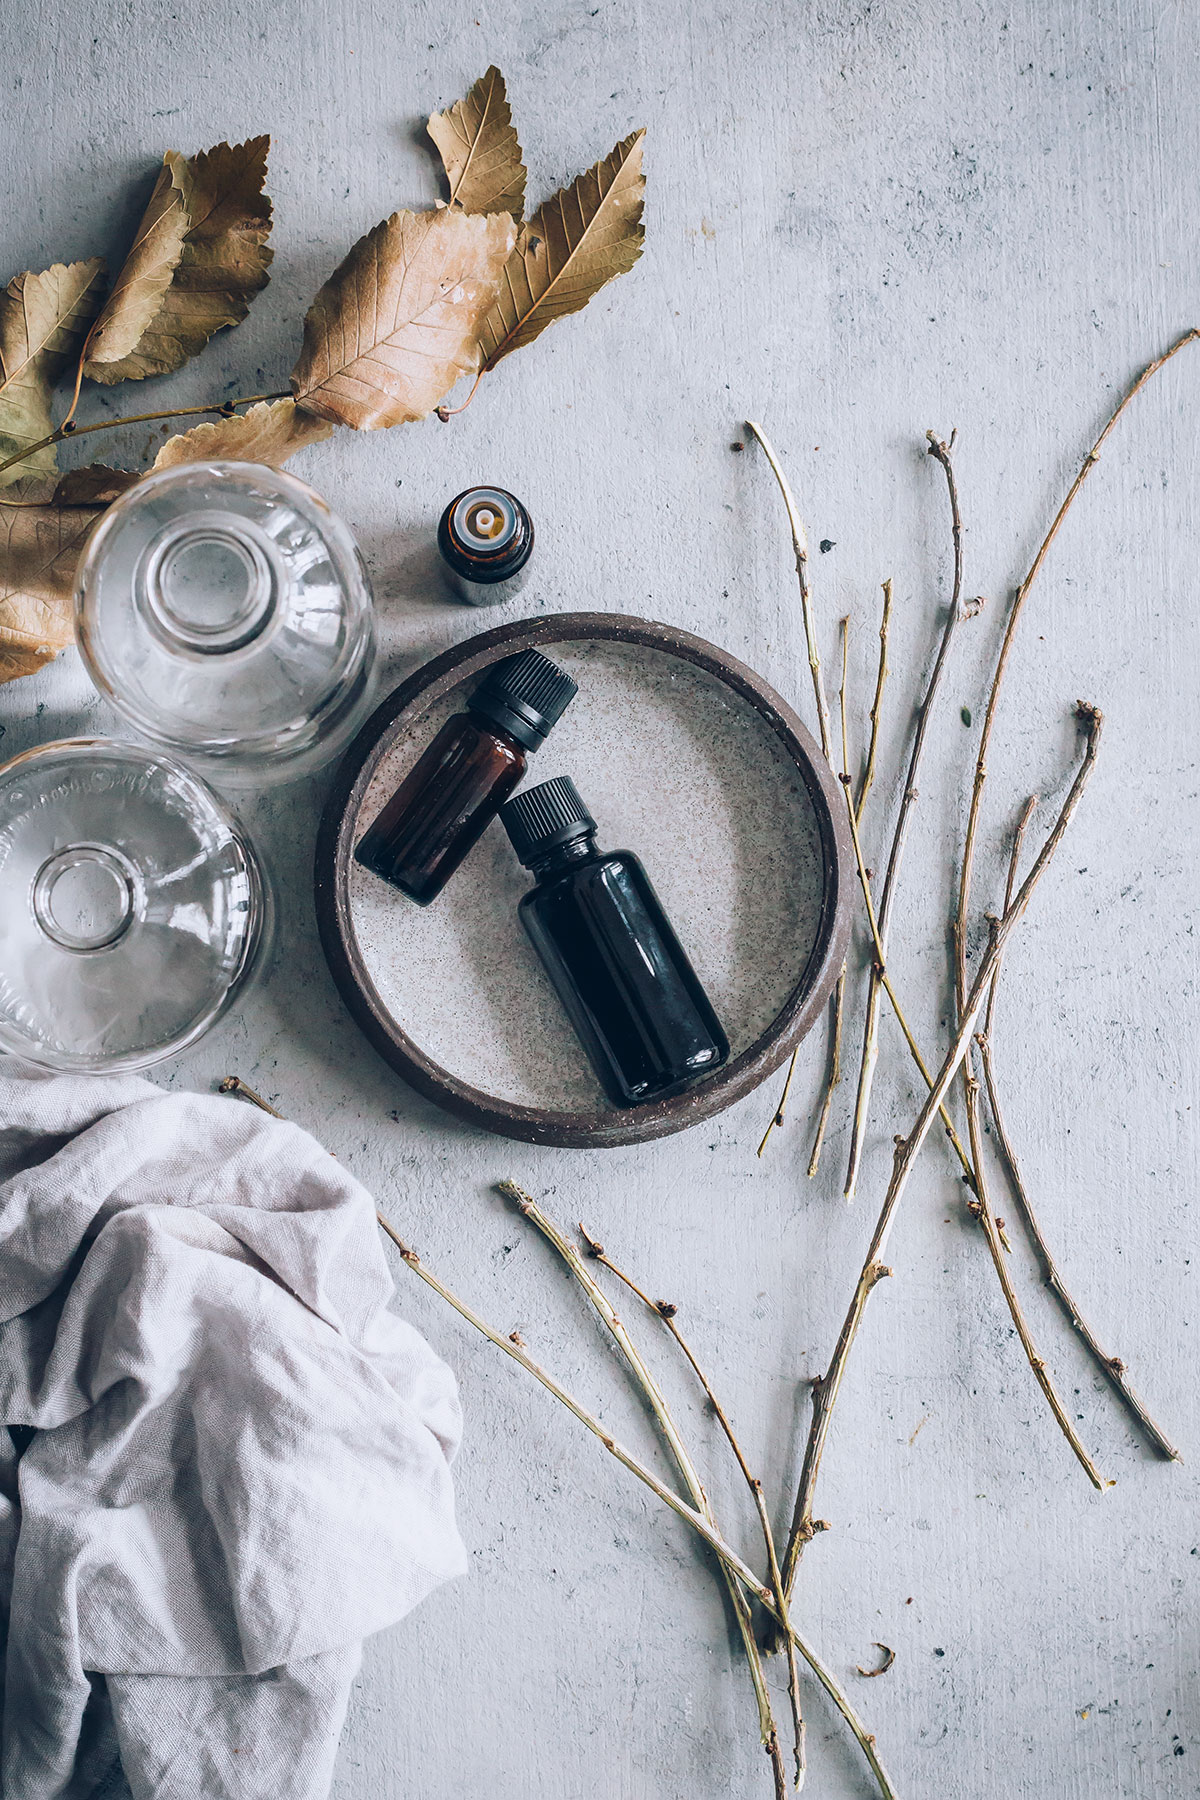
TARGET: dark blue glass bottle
(607,945)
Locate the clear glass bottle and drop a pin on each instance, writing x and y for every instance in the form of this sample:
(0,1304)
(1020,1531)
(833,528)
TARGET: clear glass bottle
(132,906)
(447,800)
(616,963)
(226,613)
(485,536)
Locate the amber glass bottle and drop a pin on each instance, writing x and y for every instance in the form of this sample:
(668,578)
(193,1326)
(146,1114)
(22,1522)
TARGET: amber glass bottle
(607,945)
(485,536)
(443,805)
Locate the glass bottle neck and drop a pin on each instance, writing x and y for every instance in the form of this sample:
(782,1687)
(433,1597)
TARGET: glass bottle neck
(481,716)
(579,849)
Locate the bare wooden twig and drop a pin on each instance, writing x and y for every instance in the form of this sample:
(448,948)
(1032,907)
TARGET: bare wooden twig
(668,1312)
(1111,1367)
(680,1507)
(689,1475)
(826,1388)
(882,672)
(866,783)
(233,1084)
(834,1076)
(839,993)
(981,1208)
(800,549)
(690,1515)
(941,451)
(799,541)
(963,908)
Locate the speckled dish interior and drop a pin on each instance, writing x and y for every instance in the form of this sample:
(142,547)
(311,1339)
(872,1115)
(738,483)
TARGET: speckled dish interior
(675,764)
(675,767)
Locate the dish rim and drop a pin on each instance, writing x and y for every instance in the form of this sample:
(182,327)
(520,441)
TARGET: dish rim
(605,1127)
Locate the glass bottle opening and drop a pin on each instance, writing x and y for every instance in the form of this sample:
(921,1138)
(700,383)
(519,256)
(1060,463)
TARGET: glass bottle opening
(205,587)
(86,897)
(484,521)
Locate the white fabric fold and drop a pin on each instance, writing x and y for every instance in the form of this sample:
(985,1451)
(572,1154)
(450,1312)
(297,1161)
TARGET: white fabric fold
(229,1460)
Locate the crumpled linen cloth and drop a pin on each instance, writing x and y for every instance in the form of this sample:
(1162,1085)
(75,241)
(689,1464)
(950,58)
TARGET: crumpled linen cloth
(223,1460)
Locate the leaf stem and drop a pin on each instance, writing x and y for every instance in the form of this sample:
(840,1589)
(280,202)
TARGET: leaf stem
(69,429)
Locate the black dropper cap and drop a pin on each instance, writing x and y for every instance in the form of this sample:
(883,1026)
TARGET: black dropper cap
(526,695)
(541,818)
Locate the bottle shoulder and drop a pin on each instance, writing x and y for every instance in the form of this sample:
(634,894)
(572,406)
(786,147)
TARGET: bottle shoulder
(473,735)
(607,869)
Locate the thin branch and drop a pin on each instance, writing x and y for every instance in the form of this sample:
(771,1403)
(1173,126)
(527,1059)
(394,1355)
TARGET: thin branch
(800,550)
(865,785)
(799,542)
(839,992)
(864,881)
(982,1208)
(776,1119)
(826,1388)
(1111,1367)
(868,777)
(690,1515)
(446,413)
(832,1080)
(70,429)
(656,1400)
(941,451)
(800,547)
(667,1312)
(1014,618)
(233,1084)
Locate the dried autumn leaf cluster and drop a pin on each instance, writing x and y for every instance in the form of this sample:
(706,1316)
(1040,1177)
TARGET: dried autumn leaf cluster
(422,300)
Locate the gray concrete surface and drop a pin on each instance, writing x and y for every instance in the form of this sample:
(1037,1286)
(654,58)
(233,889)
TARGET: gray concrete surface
(862,221)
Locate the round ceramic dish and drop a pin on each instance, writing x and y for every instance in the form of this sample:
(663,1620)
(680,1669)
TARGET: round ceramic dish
(685,756)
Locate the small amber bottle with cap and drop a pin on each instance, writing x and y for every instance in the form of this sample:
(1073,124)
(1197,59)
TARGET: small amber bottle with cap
(485,536)
(456,788)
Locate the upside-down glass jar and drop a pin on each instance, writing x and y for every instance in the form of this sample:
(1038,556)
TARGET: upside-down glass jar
(132,906)
(226,613)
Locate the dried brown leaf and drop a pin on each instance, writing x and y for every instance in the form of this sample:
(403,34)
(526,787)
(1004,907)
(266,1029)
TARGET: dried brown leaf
(573,244)
(268,432)
(221,264)
(94,486)
(39,548)
(43,321)
(397,324)
(479,149)
(146,273)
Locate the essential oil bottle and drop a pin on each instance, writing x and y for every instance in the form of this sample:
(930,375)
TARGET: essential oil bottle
(448,798)
(486,539)
(607,945)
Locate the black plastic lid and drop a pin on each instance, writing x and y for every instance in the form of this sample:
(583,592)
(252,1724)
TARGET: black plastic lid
(526,695)
(540,818)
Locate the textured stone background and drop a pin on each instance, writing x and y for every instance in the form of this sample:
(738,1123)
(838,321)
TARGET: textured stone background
(862,220)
